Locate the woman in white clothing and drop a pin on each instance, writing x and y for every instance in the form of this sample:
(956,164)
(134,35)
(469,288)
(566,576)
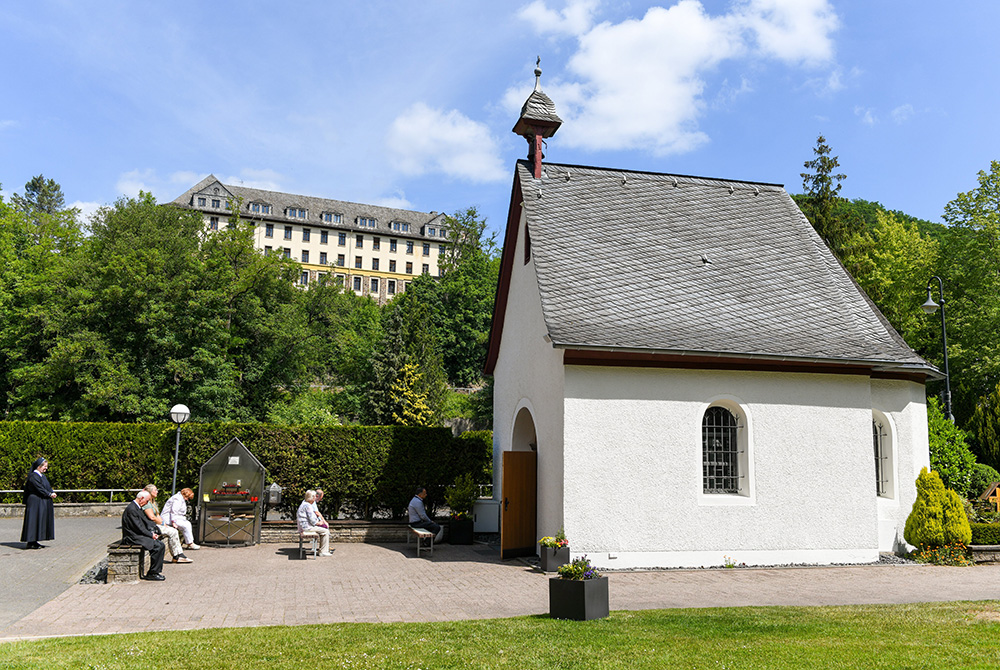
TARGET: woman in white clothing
(174,514)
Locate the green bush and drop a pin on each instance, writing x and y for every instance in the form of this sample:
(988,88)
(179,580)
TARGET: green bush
(985,533)
(982,477)
(371,467)
(950,455)
(938,516)
(956,521)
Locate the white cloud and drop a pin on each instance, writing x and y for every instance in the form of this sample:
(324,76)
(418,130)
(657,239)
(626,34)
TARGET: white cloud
(574,19)
(397,201)
(130,183)
(266,180)
(423,140)
(867,115)
(792,30)
(87,209)
(7,123)
(641,83)
(903,113)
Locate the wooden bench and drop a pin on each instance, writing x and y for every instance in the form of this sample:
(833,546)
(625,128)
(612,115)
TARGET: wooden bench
(127,562)
(313,537)
(421,534)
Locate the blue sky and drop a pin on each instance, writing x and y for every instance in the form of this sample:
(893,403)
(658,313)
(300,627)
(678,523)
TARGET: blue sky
(411,104)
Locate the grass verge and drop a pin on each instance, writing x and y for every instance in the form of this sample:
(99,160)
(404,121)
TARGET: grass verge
(927,635)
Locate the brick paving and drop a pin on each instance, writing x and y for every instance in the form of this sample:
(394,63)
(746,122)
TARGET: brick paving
(267,585)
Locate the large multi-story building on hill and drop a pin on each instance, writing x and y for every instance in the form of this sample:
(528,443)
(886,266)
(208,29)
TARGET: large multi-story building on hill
(376,251)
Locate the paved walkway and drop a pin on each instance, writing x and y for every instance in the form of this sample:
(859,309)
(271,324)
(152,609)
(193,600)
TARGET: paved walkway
(266,585)
(29,579)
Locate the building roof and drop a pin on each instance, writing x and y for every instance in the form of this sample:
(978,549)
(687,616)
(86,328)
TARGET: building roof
(315,207)
(657,263)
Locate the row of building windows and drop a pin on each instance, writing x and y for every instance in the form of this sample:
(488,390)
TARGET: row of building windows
(357,282)
(305,256)
(359,240)
(216,203)
(326,217)
(725,459)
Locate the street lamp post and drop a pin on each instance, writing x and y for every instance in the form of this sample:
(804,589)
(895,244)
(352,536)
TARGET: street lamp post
(930,307)
(178,414)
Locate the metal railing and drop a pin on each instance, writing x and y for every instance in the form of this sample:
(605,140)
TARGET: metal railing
(110,492)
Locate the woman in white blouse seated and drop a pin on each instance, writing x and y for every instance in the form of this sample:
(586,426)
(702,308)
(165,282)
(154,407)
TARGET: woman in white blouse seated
(174,514)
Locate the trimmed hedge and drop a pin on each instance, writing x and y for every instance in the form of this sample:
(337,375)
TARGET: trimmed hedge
(985,533)
(372,468)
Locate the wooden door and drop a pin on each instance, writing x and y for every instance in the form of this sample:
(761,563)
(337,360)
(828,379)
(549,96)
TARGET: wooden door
(517,506)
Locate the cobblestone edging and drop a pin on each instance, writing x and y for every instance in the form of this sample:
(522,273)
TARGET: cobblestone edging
(65,510)
(985,553)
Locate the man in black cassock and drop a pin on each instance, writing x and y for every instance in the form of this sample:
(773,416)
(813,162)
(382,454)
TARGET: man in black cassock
(137,528)
(39,515)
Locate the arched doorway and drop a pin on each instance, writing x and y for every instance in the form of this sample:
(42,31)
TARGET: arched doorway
(519,494)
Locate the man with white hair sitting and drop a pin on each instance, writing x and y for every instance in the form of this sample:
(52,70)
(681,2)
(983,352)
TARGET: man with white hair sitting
(308,522)
(137,528)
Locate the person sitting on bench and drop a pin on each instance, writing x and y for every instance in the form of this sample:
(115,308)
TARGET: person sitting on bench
(174,514)
(137,528)
(418,515)
(308,522)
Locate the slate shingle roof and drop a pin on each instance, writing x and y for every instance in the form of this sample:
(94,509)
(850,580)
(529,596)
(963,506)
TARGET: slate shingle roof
(539,107)
(670,263)
(315,207)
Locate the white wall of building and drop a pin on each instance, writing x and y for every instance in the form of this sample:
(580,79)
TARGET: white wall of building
(529,374)
(633,467)
(904,405)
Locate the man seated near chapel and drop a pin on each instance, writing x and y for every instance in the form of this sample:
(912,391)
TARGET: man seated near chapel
(308,521)
(418,515)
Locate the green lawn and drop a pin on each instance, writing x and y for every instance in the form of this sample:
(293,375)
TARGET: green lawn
(936,635)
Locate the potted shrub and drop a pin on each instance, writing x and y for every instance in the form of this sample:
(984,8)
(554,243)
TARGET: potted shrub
(554,551)
(460,497)
(580,592)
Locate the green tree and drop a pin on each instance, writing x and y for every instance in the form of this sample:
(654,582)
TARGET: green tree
(149,311)
(888,262)
(984,427)
(410,400)
(971,269)
(951,458)
(41,195)
(821,187)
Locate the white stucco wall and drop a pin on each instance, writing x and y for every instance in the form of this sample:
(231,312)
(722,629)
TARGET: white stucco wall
(904,404)
(633,467)
(529,373)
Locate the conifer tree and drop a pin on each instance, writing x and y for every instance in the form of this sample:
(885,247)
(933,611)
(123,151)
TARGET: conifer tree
(925,525)
(822,187)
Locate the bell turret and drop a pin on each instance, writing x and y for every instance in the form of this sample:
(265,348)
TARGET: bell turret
(538,121)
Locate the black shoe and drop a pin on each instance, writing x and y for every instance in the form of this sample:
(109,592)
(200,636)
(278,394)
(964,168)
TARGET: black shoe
(32,545)
(155,578)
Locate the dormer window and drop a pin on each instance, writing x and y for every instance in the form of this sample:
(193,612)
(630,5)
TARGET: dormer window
(401,227)
(330,217)
(432,232)
(295,213)
(366,222)
(259,208)
(201,202)
(443,233)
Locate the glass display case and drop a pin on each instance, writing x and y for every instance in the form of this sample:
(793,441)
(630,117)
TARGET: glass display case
(231,490)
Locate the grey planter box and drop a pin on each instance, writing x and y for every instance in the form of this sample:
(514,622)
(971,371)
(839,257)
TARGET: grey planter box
(580,600)
(551,558)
